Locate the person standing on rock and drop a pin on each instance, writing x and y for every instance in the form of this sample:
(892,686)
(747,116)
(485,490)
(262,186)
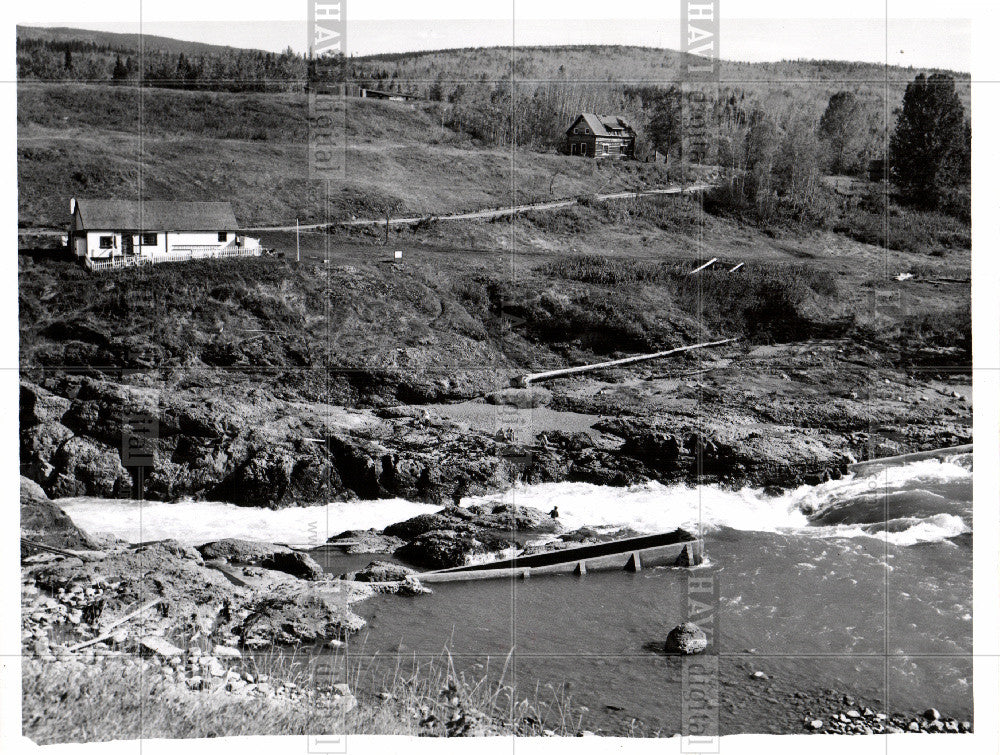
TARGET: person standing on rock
(461,490)
(555,512)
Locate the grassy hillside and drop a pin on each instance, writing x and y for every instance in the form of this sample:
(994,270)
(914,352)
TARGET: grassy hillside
(90,140)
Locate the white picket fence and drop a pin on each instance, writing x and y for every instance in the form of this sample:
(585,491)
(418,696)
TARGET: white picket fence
(177,254)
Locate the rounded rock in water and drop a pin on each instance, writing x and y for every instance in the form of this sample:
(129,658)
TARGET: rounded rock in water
(686,639)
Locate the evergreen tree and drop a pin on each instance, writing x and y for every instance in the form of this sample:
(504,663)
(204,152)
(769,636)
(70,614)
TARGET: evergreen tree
(926,149)
(120,71)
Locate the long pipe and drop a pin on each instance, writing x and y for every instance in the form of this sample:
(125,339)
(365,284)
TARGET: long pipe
(522,381)
(889,461)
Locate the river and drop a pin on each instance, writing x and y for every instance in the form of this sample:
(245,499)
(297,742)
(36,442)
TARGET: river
(861,585)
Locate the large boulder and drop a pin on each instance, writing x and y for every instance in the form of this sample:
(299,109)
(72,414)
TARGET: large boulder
(686,639)
(266,555)
(31,490)
(448,518)
(441,549)
(39,445)
(86,467)
(505,517)
(290,619)
(44,522)
(39,405)
(483,518)
(239,552)
(366,541)
(383,571)
(296,563)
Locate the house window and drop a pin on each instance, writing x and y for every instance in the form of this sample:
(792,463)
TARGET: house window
(604,149)
(148,239)
(576,131)
(586,131)
(107,242)
(223,236)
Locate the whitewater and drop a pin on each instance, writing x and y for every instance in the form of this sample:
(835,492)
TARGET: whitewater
(852,507)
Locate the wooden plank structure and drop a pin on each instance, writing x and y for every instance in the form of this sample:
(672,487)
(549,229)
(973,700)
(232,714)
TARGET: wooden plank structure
(677,548)
(522,381)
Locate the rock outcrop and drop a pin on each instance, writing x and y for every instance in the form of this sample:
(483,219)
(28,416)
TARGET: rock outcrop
(42,521)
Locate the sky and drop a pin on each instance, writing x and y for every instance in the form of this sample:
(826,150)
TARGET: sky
(911,34)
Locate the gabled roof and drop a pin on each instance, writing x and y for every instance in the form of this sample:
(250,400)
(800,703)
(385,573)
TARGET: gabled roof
(599,124)
(125,214)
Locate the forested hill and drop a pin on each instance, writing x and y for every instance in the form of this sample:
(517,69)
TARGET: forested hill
(116,41)
(78,54)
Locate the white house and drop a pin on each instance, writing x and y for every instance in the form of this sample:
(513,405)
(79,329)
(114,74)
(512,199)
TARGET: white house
(113,233)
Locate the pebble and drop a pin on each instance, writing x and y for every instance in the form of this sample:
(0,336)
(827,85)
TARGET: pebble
(816,723)
(914,726)
(932,714)
(224,651)
(759,675)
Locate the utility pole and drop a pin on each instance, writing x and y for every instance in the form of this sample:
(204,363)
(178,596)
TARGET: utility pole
(298,256)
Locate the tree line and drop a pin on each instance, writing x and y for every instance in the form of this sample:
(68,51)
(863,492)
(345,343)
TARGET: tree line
(775,149)
(228,70)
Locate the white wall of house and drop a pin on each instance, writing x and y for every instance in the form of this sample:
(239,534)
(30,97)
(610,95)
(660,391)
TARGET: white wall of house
(182,240)
(99,245)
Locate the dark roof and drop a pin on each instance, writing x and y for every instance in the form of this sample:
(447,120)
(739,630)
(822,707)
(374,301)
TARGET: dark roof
(125,214)
(600,124)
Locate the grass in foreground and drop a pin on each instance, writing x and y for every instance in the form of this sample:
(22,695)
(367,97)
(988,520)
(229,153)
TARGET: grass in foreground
(116,698)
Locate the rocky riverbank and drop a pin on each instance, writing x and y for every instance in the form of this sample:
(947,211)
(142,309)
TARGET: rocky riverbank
(770,417)
(230,623)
